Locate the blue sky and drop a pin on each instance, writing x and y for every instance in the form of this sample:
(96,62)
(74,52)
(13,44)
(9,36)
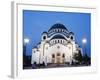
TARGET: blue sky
(35,22)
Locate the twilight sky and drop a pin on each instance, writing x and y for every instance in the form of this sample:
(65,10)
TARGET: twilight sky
(35,22)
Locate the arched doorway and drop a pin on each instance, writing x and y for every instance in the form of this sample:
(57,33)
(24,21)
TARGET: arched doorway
(58,58)
(63,58)
(53,58)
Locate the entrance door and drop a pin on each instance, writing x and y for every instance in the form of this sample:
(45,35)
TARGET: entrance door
(63,58)
(53,58)
(58,58)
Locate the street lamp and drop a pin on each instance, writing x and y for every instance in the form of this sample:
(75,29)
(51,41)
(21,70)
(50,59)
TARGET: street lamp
(26,41)
(84,41)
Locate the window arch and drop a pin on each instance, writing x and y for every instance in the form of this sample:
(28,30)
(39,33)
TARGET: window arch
(63,55)
(62,30)
(71,37)
(58,41)
(44,37)
(58,54)
(53,55)
(61,41)
(55,41)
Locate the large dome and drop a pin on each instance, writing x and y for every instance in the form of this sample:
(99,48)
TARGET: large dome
(58,26)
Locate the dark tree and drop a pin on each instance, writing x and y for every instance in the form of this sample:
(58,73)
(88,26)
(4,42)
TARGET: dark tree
(78,56)
(86,59)
(24,55)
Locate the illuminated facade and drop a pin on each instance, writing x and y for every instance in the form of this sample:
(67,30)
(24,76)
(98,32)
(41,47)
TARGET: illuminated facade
(57,45)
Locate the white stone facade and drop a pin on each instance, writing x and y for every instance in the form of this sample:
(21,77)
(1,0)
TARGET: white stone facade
(58,45)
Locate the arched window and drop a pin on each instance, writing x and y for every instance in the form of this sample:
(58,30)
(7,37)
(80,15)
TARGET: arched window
(58,54)
(71,37)
(44,37)
(53,41)
(35,63)
(63,55)
(59,30)
(63,41)
(53,56)
(56,30)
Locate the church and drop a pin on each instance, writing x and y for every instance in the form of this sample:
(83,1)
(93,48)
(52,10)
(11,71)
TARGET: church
(57,46)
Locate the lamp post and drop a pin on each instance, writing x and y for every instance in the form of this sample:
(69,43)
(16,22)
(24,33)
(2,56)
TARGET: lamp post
(84,41)
(26,41)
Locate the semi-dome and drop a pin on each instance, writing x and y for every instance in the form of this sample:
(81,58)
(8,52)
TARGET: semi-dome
(58,26)
(58,37)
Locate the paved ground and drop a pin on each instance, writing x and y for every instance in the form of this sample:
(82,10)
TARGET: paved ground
(54,66)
